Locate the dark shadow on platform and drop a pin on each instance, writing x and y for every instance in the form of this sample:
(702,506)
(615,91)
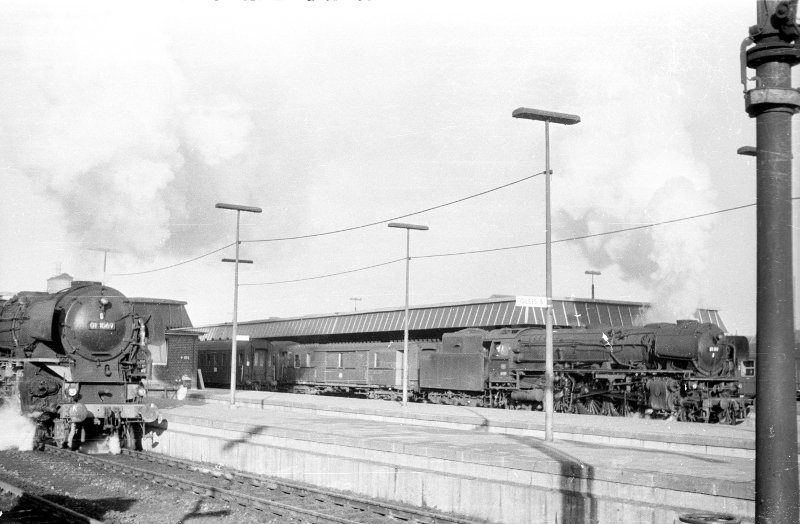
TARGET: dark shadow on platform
(155,427)
(576,479)
(250,433)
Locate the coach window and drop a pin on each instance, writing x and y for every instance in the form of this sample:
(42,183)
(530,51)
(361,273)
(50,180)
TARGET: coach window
(340,361)
(308,360)
(297,360)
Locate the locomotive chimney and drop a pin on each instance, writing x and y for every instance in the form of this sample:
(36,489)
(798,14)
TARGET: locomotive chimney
(59,283)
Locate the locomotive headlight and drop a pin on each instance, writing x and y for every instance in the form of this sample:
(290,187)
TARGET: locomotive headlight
(72,389)
(141,391)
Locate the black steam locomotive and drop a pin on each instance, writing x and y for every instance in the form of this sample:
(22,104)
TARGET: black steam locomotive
(74,360)
(688,370)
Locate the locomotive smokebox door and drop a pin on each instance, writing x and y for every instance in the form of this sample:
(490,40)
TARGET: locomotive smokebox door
(94,324)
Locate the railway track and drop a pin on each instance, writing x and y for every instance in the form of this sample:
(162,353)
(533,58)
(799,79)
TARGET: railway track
(286,499)
(26,507)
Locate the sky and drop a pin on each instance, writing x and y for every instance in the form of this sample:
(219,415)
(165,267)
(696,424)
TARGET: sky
(123,125)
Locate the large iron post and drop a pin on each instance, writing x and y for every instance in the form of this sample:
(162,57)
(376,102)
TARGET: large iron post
(772,103)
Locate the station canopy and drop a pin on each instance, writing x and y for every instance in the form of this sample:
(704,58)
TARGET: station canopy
(433,320)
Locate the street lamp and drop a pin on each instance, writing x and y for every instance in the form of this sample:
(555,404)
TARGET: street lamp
(236,261)
(408,228)
(355,300)
(566,119)
(593,273)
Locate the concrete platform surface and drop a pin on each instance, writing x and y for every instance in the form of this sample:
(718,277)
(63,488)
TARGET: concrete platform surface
(495,466)
(634,432)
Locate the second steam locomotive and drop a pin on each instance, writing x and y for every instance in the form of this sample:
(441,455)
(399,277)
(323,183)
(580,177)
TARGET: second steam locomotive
(688,370)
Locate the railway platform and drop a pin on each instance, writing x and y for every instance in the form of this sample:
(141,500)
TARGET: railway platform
(485,464)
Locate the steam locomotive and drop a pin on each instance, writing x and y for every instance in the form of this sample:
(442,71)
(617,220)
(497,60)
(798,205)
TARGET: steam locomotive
(74,360)
(688,370)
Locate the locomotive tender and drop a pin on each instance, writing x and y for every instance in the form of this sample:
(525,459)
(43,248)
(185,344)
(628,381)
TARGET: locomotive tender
(75,360)
(689,370)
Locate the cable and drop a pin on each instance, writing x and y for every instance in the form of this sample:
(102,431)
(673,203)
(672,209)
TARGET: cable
(325,276)
(593,235)
(333,232)
(570,239)
(173,265)
(397,217)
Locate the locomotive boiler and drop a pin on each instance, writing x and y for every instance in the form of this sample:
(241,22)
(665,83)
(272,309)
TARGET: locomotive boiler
(76,362)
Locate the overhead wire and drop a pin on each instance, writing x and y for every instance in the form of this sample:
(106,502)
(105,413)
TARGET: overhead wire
(176,264)
(438,255)
(385,220)
(328,275)
(521,246)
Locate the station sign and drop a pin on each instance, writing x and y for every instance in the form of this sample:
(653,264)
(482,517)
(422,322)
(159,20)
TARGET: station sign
(527,301)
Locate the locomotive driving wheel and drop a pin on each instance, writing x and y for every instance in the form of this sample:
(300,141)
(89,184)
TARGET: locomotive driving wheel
(609,409)
(589,406)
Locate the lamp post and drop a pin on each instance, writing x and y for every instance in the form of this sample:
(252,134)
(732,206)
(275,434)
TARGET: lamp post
(355,302)
(593,273)
(566,119)
(408,228)
(236,261)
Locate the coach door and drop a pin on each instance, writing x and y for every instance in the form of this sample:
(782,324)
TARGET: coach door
(260,379)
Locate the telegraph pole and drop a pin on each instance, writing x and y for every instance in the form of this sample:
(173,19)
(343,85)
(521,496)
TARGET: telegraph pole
(772,103)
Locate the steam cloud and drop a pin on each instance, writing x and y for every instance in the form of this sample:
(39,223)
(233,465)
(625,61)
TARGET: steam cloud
(637,170)
(102,127)
(18,430)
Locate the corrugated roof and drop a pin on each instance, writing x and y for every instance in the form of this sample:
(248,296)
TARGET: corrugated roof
(483,313)
(487,313)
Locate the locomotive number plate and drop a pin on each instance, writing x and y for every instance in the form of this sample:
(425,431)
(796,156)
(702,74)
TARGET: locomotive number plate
(106,326)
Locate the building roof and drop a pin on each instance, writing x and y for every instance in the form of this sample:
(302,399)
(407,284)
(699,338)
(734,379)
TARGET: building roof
(483,313)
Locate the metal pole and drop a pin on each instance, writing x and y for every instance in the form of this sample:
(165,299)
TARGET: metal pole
(548,356)
(772,103)
(235,313)
(776,430)
(238,209)
(408,228)
(592,287)
(405,323)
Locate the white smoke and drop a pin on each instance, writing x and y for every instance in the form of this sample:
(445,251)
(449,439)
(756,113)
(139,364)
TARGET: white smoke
(18,430)
(635,167)
(98,121)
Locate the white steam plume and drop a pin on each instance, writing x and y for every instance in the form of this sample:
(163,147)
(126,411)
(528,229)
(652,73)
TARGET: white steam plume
(18,430)
(637,168)
(98,121)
